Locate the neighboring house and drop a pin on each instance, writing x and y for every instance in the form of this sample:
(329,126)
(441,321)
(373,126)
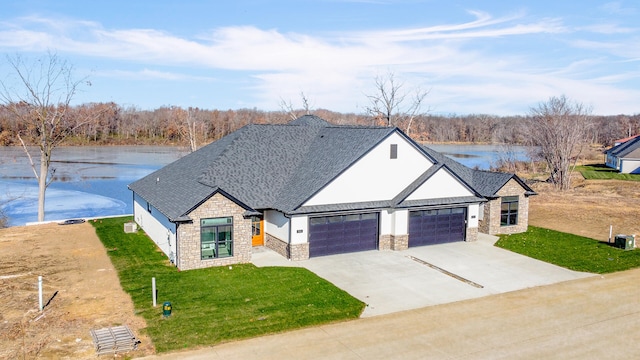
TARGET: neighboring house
(309,188)
(624,140)
(625,157)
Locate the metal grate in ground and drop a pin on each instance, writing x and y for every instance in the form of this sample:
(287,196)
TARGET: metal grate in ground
(114,340)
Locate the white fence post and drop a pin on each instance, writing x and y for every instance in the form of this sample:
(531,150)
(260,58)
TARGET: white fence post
(153,290)
(40,292)
(610,232)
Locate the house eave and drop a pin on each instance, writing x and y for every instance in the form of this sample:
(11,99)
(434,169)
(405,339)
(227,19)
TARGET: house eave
(384,204)
(466,200)
(341,208)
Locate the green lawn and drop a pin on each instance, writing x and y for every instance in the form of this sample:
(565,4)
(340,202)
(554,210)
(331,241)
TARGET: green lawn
(220,304)
(602,172)
(570,251)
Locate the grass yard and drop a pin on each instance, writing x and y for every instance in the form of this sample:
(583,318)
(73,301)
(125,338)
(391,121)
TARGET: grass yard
(602,172)
(220,304)
(570,251)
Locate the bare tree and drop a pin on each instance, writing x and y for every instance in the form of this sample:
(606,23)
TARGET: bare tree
(388,103)
(415,108)
(188,129)
(305,103)
(558,128)
(293,113)
(40,96)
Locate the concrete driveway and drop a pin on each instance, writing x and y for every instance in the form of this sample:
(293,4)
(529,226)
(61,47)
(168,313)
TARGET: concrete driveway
(592,318)
(392,281)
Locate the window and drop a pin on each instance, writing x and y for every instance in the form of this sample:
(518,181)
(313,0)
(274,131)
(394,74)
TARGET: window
(216,238)
(393,151)
(509,211)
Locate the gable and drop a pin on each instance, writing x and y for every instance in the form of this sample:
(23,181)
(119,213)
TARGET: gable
(511,188)
(440,185)
(376,176)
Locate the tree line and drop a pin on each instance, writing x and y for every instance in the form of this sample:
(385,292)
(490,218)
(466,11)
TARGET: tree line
(112,124)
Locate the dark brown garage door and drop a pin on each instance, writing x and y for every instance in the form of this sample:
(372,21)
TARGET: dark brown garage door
(438,226)
(342,234)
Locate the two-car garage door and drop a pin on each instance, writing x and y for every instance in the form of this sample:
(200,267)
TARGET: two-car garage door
(437,226)
(342,234)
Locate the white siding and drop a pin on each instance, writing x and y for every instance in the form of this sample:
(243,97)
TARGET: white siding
(387,222)
(375,176)
(630,166)
(442,184)
(402,222)
(276,224)
(299,229)
(156,225)
(394,222)
(473,215)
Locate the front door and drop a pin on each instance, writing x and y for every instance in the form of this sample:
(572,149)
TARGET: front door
(257,231)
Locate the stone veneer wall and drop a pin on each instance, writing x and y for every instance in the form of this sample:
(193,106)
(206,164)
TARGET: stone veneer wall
(472,234)
(188,237)
(400,242)
(294,252)
(276,245)
(491,218)
(299,251)
(384,243)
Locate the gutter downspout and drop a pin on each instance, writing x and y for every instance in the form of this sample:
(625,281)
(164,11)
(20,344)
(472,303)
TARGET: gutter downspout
(290,234)
(177,247)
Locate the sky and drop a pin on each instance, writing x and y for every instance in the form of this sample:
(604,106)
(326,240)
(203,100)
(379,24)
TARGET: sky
(472,57)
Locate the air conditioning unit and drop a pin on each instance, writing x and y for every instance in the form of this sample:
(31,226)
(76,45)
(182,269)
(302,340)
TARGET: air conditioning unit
(130,227)
(626,242)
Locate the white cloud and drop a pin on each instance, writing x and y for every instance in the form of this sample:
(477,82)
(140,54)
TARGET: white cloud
(617,8)
(624,49)
(481,27)
(148,74)
(457,61)
(608,29)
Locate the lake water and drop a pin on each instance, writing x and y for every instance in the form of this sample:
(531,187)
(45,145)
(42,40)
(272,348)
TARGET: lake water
(92,181)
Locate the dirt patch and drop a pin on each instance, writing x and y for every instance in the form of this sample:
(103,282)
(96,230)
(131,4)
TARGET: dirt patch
(75,267)
(589,208)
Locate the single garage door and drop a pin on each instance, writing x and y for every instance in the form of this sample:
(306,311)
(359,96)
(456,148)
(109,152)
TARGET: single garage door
(342,234)
(429,227)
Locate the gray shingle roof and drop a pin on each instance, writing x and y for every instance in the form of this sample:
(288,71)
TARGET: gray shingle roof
(310,120)
(261,166)
(281,166)
(174,189)
(625,149)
